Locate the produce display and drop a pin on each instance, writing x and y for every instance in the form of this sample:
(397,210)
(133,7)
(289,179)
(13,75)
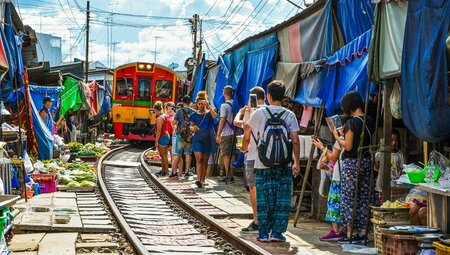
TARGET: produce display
(88,150)
(152,155)
(74,175)
(396,204)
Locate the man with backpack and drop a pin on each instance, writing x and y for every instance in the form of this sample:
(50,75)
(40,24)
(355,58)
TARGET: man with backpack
(225,132)
(275,164)
(183,140)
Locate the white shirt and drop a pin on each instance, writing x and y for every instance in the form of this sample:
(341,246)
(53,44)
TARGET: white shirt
(226,112)
(258,122)
(252,153)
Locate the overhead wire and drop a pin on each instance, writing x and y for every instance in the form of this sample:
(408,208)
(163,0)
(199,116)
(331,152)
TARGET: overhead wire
(67,15)
(233,13)
(73,15)
(224,45)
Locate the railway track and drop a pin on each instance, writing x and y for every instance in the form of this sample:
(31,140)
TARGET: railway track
(156,219)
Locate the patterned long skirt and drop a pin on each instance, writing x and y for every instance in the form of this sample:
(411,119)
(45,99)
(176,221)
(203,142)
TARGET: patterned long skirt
(273,199)
(348,187)
(334,202)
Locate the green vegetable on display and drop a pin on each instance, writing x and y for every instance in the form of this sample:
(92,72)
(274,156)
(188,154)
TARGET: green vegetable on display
(73,184)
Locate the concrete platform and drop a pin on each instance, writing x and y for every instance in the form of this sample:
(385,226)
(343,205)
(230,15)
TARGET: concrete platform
(234,199)
(83,205)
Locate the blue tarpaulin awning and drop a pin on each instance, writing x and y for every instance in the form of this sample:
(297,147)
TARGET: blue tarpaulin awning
(425,105)
(347,72)
(256,70)
(199,79)
(355,17)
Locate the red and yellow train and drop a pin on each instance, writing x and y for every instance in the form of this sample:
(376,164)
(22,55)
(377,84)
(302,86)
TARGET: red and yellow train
(136,87)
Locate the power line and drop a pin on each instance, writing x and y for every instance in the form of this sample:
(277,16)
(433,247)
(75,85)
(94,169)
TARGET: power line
(70,8)
(212,6)
(229,19)
(231,41)
(67,15)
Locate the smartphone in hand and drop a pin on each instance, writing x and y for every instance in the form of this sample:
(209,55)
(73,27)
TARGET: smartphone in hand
(253,101)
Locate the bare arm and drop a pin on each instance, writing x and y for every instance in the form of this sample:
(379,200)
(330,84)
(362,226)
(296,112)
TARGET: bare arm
(296,149)
(159,124)
(43,115)
(221,126)
(246,139)
(347,142)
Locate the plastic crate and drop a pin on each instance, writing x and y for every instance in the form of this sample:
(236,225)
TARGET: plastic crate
(441,248)
(394,244)
(393,215)
(47,182)
(377,233)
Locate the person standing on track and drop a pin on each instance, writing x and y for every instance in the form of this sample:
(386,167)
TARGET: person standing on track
(274,125)
(203,142)
(183,138)
(162,138)
(252,153)
(225,132)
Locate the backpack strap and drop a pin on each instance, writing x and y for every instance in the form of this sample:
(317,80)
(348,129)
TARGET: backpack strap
(367,128)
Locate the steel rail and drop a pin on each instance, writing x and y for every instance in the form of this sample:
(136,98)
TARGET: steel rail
(237,241)
(134,240)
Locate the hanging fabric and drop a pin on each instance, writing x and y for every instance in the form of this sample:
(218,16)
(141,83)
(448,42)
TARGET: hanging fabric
(387,42)
(288,73)
(425,105)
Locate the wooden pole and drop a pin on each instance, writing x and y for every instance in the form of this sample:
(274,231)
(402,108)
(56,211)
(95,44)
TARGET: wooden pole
(386,145)
(308,165)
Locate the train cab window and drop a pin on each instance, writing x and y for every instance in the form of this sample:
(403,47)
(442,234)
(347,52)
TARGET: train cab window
(124,87)
(144,85)
(163,89)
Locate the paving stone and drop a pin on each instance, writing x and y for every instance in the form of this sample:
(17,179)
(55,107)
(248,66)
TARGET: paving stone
(26,253)
(73,225)
(58,244)
(35,221)
(96,237)
(64,195)
(65,202)
(26,242)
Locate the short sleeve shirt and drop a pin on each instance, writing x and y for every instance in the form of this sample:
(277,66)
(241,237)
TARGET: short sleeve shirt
(227,113)
(252,153)
(355,124)
(180,117)
(257,122)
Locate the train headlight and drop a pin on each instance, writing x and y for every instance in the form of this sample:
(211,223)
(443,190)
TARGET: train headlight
(149,67)
(141,66)
(145,67)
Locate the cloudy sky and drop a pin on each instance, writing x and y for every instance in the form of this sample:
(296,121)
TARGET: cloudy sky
(136,23)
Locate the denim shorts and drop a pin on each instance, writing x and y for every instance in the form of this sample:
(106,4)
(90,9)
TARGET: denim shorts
(180,147)
(164,141)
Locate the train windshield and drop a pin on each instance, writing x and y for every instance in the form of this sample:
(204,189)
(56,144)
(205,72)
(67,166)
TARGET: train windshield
(163,89)
(124,87)
(144,89)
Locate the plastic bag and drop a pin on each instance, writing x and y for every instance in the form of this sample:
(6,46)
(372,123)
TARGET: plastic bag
(442,162)
(395,101)
(416,194)
(324,183)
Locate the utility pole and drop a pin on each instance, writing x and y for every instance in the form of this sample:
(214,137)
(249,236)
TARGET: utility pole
(201,37)
(86,67)
(194,22)
(114,54)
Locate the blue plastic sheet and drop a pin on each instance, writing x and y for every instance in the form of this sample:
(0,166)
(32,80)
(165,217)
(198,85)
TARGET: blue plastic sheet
(223,79)
(257,70)
(308,91)
(199,79)
(425,107)
(347,72)
(39,92)
(355,17)
(43,134)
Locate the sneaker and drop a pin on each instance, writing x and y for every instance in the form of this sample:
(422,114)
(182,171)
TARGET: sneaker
(198,183)
(186,175)
(223,179)
(277,237)
(263,238)
(251,228)
(173,174)
(355,240)
(331,236)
